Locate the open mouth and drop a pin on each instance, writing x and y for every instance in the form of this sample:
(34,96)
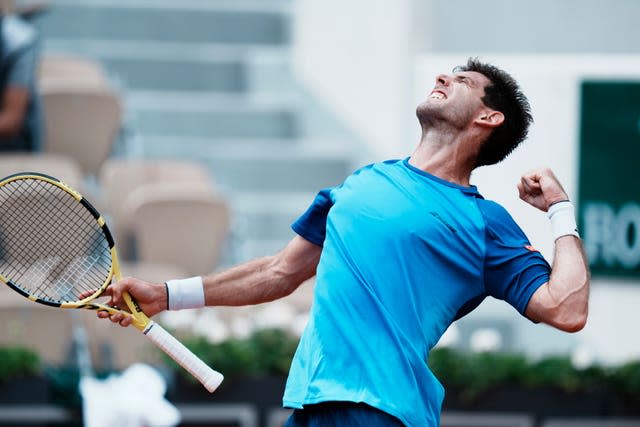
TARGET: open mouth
(436,94)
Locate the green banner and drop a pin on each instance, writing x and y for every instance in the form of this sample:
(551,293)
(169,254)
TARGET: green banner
(609,186)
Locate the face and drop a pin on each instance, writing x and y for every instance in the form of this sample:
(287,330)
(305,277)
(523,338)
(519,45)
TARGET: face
(455,98)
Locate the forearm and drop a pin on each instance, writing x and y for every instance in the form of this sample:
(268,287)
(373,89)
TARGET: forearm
(254,282)
(264,279)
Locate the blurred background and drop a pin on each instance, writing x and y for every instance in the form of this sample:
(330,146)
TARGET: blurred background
(203,128)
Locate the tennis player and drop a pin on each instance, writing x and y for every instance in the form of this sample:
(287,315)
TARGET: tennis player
(400,250)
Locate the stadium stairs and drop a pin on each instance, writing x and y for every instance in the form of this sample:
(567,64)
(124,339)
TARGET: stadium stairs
(211,80)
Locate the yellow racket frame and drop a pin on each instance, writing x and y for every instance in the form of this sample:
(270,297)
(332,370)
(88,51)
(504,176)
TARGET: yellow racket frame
(139,319)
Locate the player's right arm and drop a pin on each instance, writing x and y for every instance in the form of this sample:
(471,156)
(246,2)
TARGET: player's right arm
(254,282)
(264,279)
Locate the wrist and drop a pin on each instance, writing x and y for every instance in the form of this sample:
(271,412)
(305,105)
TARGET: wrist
(185,293)
(555,202)
(562,216)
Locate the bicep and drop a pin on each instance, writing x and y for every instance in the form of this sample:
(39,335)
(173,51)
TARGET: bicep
(513,270)
(537,308)
(563,301)
(299,258)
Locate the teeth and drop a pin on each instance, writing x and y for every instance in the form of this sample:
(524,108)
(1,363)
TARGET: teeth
(436,95)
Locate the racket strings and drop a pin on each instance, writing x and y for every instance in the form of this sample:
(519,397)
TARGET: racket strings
(40,271)
(50,244)
(75,273)
(25,225)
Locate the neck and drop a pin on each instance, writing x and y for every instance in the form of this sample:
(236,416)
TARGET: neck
(445,155)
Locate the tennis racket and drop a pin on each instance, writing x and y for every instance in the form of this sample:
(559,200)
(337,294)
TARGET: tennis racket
(55,249)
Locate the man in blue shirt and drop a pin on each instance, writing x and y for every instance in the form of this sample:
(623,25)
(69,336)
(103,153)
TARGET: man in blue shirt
(20,109)
(400,250)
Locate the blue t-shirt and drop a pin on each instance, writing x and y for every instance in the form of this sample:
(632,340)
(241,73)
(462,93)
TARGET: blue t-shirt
(404,254)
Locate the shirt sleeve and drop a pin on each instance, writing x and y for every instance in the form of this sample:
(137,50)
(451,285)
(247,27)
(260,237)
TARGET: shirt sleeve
(23,71)
(514,270)
(312,225)
(21,51)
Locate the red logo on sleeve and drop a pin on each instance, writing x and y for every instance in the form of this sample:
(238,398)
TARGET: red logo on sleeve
(531,248)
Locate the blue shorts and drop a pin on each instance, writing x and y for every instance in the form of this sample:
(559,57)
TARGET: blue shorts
(341,414)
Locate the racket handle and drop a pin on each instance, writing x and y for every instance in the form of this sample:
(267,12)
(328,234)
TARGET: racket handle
(209,378)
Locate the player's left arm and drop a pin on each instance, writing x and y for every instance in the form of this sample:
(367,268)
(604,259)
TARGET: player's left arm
(563,302)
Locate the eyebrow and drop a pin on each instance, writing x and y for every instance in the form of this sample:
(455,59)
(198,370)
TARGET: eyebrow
(466,78)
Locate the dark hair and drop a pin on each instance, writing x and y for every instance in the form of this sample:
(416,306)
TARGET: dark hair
(502,94)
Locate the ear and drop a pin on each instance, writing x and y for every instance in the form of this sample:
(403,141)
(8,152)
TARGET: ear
(490,118)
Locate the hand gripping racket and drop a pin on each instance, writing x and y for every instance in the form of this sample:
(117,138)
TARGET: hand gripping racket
(55,249)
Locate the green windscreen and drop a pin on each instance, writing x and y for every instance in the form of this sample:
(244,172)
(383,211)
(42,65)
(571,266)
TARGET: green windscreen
(609,190)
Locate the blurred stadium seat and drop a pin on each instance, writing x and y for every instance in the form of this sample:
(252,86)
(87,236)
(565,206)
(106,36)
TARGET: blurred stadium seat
(118,178)
(59,166)
(185,227)
(82,123)
(64,70)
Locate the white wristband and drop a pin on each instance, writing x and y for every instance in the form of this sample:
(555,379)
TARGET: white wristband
(563,219)
(185,293)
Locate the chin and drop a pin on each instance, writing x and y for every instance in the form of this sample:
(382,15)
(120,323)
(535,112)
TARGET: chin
(423,106)
(426,110)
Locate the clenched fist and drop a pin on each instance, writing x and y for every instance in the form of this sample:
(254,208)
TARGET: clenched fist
(541,188)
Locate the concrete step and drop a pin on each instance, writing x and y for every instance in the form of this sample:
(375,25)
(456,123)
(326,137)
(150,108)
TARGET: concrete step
(268,215)
(186,66)
(270,71)
(163,50)
(148,74)
(271,123)
(295,168)
(185,21)
(165,145)
(262,221)
(211,115)
(293,173)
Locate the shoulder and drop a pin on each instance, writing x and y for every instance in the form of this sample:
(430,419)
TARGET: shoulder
(493,211)
(386,164)
(499,222)
(385,167)
(16,33)
(371,171)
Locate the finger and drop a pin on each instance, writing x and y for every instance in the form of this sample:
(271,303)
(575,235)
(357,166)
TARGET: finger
(530,180)
(126,321)
(86,294)
(115,291)
(553,188)
(548,173)
(116,317)
(531,185)
(521,191)
(524,184)
(108,293)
